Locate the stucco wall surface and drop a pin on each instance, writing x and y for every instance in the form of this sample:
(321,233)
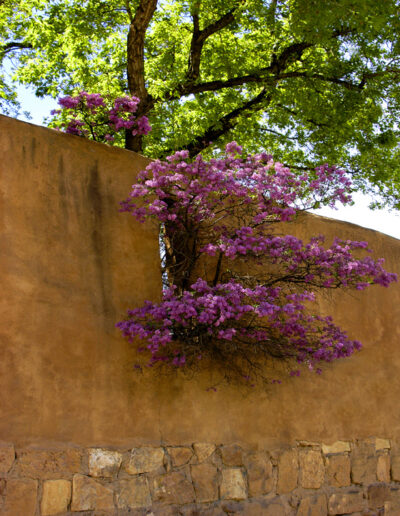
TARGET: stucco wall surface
(70,266)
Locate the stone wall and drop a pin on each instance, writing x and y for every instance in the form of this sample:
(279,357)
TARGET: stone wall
(74,407)
(309,479)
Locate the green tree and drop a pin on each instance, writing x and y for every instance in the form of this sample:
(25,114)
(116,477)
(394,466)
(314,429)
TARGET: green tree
(310,81)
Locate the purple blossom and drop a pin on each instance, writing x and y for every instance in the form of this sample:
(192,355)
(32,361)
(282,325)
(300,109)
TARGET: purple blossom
(100,118)
(228,209)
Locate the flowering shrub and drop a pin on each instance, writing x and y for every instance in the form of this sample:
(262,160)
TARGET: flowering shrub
(253,302)
(100,118)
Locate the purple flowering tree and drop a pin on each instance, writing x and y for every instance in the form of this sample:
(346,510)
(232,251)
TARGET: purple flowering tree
(100,118)
(237,291)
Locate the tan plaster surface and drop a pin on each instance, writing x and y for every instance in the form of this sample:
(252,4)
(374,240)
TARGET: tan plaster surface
(71,265)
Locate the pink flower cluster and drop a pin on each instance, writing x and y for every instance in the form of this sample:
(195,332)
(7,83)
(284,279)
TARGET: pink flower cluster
(99,118)
(240,316)
(265,318)
(176,188)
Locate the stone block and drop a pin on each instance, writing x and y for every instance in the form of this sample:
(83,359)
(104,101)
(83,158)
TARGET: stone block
(180,455)
(391,509)
(173,487)
(338,470)
(364,463)
(232,455)
(7,456)
(313,506)
(90,495)
(56,495)
(336,447)
(392,506)
(378,494)
(259,474)
(164,510)
(21,497)
(346,502)
(233,484)
(312,471)
(382,444)
(203,450)
(145,460)
(288,470)
(104,463)
(262,508)
(205,481)
(383,468)
(48,464)
(395,468)
(134,493)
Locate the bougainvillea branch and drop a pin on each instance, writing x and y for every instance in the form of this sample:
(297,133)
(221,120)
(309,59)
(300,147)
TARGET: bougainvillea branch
(253,301)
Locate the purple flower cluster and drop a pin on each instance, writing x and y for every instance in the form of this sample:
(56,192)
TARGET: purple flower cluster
(176,188)
(227,209)
(100,118)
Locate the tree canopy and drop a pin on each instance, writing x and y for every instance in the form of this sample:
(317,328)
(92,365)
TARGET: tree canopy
(309,81)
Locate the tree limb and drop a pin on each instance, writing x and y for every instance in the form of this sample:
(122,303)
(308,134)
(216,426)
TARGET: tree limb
(225,124)
(199,37)
(135,63)
(129,10)
(14,45)
(135,48)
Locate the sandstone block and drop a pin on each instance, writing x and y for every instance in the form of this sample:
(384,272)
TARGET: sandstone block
(259,474)
(180,455)
(233,485)
(378,494)
(364,463)
(104,463)
(313,506)
(391,509)
(203,450)
(7,456)
(89,495)
(232,455)
(346,502)
(263,507)
(173,488)
(21,497)
(145,460)
(336,447)
(395,468)
(392,505)
(56,496)
(338,471)
(134,493)
(205,481)
(287,471)
(312,471)
(383,468)
(259,508)
(48,464)
(382,444)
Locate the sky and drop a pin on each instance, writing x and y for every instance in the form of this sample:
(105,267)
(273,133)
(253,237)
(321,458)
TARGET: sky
(380,220)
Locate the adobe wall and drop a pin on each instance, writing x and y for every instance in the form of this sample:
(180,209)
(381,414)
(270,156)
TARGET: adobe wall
(71,265)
